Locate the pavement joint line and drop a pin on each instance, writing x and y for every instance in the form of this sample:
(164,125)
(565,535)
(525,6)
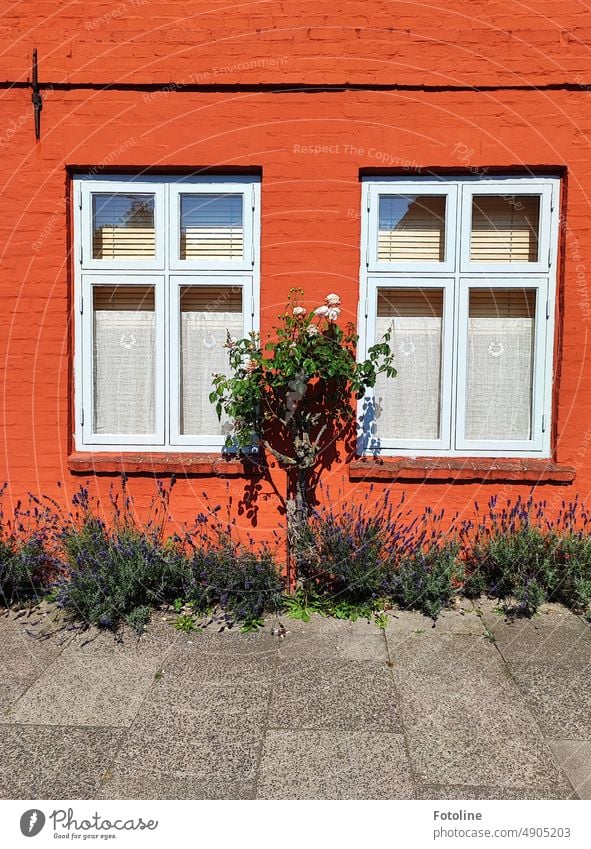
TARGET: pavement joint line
(17,725)
(265,727)
(581,638)
(34,680)
(403,732)
(580,741)
(545,740)
(127,728)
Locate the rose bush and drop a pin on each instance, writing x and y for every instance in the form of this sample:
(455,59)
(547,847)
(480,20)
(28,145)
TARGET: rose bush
(294,394)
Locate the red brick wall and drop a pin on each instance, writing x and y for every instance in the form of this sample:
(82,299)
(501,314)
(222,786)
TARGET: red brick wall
(310,201)
(367,41)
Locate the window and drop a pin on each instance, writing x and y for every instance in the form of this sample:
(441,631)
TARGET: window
(165,269)
(462,274)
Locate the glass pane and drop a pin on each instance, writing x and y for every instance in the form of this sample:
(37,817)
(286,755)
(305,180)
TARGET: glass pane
(208,314)
(411,228)
(123,226)
(408,405)
(501,333)
(124,350)
(211,227)
(505,228)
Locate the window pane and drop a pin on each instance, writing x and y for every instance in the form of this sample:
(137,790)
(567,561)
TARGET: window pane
(501,328)
(211,227)
(408,406)
(124,359)
(208,314)
(505,228)
(123,226)
(411,228)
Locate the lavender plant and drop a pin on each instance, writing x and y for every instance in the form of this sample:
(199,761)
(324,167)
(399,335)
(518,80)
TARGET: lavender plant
(119,571)
(28,563)
(518,554)
(374,553)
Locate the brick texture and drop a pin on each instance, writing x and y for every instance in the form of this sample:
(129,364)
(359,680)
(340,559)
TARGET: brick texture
(310,200)
(386,41)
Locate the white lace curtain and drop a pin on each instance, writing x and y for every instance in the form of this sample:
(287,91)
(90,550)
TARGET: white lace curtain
(499,378)
(125,357)
(409,404)
(124,365)
(203,335)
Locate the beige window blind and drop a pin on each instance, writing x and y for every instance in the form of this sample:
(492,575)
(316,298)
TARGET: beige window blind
(505,229)
(500,371)
(211,227)
(208,314)
(124,355)
(123,226)
(409,405)
(411,228)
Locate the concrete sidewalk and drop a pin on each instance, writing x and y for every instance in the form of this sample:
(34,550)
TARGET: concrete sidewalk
(473,708)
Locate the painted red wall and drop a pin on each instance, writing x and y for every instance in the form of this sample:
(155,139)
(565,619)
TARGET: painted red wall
(310,147)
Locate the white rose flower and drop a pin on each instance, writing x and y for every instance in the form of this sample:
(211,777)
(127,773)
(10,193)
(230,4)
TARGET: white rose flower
(312,330)
(333,313)
(322,311)
(333,300)
(298,311)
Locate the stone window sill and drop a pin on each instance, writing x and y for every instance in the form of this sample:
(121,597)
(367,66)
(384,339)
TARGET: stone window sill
(462,469)
(213,465)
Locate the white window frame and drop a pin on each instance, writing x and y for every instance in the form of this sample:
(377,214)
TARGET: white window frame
(431,187)
(89,282)
(248,310)
(375,283)
(226,188)
(167,276)
(90,187)
(462,275)
(509,187)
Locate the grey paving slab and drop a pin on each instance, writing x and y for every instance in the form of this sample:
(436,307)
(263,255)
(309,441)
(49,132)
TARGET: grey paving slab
(559,698)
(355,646)
(550,638)
(334,693)
(486,704)
(181,786)
(37,762)
(315,639)
(331,765)
(174,705)
(334,709)
(464,620)
(23,656)
(100,683)
(231,641)
(438,791)
(443,654)
(218,758)
(361,640)
(208,731)
(574,757)
(509,762)
(461,618)
(191,663)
